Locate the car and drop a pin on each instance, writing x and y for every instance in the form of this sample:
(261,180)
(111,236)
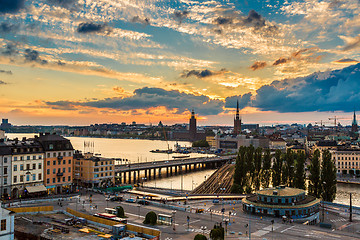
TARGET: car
(116,198)
(130,200)
(143,202)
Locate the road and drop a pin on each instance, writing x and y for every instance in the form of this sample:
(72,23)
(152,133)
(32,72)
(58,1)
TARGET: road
(260,227)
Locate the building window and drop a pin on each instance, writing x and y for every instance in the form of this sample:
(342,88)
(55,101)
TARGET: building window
(69,161)
(51,146)
(34,157)
(63,179)
(40,157)
(54,162)
(48,180)
(34,166)
(28,166)
(69,154)
(39,176)
(53,180)
(58,179)
(5,159)
(5,181)
(21,167)
(28,158)
(48,155)
(21,158)
(3,225)
(69,169)
(34,177)
(54,154)
(63,170)
(15,179)
(102,163)
(22,178)
(5,171)
(15,158)
(27,178)
(39,165)
(47,171)
(69,178)
(48,163)
(54,170)
(64,161)
(105,168)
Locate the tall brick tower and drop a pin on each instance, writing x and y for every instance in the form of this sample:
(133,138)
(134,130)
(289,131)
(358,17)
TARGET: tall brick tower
(192,126)
(237,120)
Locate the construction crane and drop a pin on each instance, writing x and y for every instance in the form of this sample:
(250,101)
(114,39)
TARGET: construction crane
(336,120)
(321,123)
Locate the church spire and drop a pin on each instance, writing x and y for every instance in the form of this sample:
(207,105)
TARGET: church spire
(354,119)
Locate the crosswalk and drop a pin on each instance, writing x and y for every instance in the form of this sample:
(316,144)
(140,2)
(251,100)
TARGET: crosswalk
(339,220)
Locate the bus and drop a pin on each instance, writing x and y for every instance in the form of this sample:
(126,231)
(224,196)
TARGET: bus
(111,217)
(164,219)
(111,210)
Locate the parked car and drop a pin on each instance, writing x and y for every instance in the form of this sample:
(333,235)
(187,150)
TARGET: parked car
(143,202)
(116,198)
(130,200)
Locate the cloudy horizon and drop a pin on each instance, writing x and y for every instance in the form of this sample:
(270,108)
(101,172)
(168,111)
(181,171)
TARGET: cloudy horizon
(78,62)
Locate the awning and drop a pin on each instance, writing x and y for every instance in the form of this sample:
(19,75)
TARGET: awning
(33,189)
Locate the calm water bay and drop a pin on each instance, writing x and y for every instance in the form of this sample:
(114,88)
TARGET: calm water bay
(138,150)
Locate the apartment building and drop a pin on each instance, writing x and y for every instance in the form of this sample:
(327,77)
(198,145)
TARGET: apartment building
(6,224)
(58,162)
(347,161)
(5,170)
(27,168)
(93,171)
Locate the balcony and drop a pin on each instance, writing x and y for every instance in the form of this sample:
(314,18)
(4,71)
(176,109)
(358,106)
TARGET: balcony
(60,174)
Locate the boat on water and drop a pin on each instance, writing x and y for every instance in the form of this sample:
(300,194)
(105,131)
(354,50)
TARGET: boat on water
(181,156)
(162,151)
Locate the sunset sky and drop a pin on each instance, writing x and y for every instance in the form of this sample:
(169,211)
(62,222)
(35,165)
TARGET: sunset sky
(77,62)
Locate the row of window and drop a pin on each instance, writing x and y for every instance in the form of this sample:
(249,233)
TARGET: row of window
(102,175)
(28,177)
(346,158)
(15,167)
(102,163)
(21,158)
(101,169)
(59,154)
(59,162)
(59,170)
(346,163)
(15,150)
(58,179)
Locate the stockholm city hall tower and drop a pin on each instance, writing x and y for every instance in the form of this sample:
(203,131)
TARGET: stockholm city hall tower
(237,120)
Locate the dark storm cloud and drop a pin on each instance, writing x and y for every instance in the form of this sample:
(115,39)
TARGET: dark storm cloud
(8,27)
(281,61)
(322,91)
(201,73)
(33,56)
(234,19)
(6,72)
(355,43)
(90,27)
(68,4)
(145,98)
(258,65)
(179,16)
(144,21)
(244,101)
(11,6)
(223,20)
(10,49)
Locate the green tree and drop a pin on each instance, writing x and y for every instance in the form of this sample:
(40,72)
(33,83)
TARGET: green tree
(217,233)
(240,174)
(257,168)
(200,237)
(277,169)
(120,212)
(266,169)
(201,143)
(150,218)
(328,177)
(288,169)
(314,176)
(299,178)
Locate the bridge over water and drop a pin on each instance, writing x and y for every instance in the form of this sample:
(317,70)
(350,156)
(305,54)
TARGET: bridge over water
(140,172)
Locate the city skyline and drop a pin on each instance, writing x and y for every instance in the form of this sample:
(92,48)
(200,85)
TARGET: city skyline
(78,62)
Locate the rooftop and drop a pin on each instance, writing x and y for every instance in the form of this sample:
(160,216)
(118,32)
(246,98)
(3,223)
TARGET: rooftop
(281,191)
